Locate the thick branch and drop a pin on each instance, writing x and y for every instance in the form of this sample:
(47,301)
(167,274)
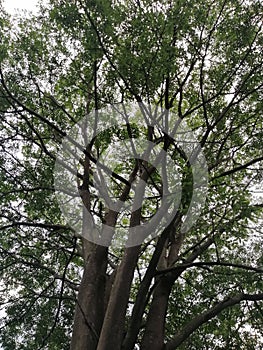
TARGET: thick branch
(142,296)
(210,263)
(198,321)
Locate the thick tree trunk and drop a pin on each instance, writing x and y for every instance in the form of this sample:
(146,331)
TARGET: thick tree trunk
(154,333)
(155,327)
(89,311)
(142,296)
(114,322)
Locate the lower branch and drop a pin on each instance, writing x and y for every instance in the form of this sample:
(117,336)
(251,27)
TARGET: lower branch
(198,321)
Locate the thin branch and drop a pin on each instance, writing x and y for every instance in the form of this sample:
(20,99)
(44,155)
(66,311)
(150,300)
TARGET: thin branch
(238,168)
(36,224)
(60,296)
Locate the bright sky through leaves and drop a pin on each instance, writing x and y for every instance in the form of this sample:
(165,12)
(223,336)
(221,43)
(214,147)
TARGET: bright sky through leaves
(12,5)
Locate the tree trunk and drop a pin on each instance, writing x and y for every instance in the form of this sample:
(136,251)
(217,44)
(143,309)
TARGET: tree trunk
(89,311)
(154,333)
(114,322)
(155,327)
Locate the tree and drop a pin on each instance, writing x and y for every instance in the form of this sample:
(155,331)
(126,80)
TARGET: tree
(193,288)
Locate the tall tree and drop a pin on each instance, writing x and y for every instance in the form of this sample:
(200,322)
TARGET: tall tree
(198,64)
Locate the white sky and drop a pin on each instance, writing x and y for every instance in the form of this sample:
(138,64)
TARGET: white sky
(12,5)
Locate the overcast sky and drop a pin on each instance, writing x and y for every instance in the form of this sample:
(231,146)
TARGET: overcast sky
(12,5)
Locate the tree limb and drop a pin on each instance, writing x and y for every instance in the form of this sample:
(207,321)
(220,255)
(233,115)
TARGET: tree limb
(196,322)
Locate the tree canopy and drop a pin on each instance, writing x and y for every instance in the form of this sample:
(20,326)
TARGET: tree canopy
(199,63)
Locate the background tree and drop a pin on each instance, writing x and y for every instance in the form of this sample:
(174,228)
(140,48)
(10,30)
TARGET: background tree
(203,289)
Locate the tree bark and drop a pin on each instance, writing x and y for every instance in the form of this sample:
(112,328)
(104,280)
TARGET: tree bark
(114,322)
(142,296)
(89,311)
(154,333)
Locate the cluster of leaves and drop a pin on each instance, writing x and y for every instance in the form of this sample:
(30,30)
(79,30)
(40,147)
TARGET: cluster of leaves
(203,62)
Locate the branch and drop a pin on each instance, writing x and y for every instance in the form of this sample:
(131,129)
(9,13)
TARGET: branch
(63,281)
(37,224)
(199,320)
(143,293)
(60,132)
(106,53)
(29,110)
(36,264)
(238,168)
(209,263)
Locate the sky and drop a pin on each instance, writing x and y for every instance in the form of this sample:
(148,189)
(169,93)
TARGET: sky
(12,5)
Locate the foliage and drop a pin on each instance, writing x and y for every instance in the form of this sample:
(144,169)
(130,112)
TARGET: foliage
(203,62)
